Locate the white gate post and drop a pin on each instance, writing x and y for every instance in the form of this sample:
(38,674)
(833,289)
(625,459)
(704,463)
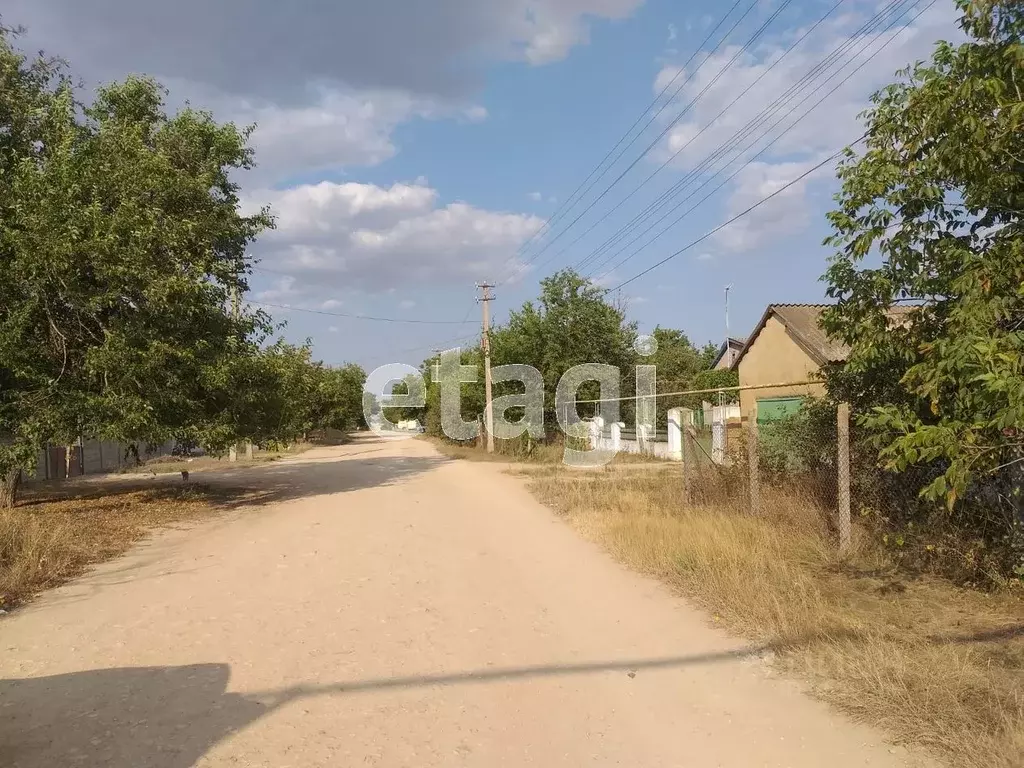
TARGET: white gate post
(675,434)
(617,435)
(596,431)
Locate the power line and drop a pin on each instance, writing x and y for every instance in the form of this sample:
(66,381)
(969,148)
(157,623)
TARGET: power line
(359,317)
(446,344)
(689,141)
(569,203)
(752,159)
(738,216)
(668,127)
(741,135)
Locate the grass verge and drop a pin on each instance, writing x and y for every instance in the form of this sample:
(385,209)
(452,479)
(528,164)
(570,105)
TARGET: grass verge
(934,665)
(53,536)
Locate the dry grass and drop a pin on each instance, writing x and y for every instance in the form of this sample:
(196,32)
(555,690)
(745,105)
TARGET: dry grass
(934,665)
(53,536)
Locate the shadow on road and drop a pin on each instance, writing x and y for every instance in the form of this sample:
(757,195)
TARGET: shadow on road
(300,479)
(365,463)
(169,717)
(121,718)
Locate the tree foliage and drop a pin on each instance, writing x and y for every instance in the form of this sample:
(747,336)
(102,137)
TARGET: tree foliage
(570,323)
(929,216)
(121,245)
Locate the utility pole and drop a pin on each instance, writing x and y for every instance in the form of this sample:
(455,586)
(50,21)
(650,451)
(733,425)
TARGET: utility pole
(485,299)
(437,365)
(236,313)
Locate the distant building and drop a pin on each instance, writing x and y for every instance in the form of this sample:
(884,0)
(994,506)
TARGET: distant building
(788,345)
(727,353)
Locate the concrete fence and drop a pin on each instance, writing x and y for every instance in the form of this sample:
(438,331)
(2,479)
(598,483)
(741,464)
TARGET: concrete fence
(92,457)
(668,444)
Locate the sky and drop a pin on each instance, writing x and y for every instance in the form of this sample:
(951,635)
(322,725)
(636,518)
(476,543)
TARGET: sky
(411,149)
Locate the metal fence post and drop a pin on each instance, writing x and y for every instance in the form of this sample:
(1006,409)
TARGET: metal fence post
(843,479)
(753,459)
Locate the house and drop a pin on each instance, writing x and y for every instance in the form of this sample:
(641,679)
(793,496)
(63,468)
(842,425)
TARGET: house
(788,345)
(727,353)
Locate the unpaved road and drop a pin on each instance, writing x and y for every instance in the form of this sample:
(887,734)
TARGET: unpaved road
(392,608)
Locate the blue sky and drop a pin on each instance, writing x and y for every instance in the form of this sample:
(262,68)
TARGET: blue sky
(412,149)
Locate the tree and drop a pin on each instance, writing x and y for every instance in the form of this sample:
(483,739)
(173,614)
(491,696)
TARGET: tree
(934,204)
(682,366)
(344,391)
(678,360)
(120,244)
(570,323)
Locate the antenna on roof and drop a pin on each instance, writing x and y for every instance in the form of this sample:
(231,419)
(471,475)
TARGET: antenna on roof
(727,289)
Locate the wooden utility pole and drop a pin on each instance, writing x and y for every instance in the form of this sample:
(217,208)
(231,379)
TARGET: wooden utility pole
(485,299)
(236,313)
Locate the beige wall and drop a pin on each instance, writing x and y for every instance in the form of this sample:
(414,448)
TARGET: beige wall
(775,357)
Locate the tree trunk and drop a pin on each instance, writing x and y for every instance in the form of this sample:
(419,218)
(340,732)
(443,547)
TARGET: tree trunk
(9,484)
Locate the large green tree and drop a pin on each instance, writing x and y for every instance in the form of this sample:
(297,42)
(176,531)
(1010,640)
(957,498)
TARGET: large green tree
(569,324)
(121,242)
(929,218)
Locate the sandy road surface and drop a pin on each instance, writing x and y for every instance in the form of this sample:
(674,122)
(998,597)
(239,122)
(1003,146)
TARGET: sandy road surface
(393,609)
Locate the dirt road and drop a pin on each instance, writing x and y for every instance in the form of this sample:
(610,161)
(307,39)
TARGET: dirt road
(392,608)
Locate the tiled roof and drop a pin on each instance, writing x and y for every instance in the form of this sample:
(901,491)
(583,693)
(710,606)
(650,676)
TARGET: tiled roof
(803,323)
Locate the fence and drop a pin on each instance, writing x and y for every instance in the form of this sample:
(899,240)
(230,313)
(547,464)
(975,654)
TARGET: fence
(93,457)
(755,460)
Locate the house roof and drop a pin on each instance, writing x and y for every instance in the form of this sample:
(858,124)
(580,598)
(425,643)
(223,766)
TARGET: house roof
(730,343)
(803,324)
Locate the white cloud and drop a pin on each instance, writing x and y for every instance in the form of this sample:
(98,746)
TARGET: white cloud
(283,289)
(786,214)
(536,196)
(475,114)
(317,208)
(549,29)
(673,32)
(407,304)
(834,123)
(667,75)
(335,130)
(333,237)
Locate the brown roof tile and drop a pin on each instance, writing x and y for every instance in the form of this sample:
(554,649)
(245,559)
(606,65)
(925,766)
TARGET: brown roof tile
(803,322)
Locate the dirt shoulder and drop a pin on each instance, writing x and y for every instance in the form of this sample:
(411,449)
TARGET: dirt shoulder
(935,665)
